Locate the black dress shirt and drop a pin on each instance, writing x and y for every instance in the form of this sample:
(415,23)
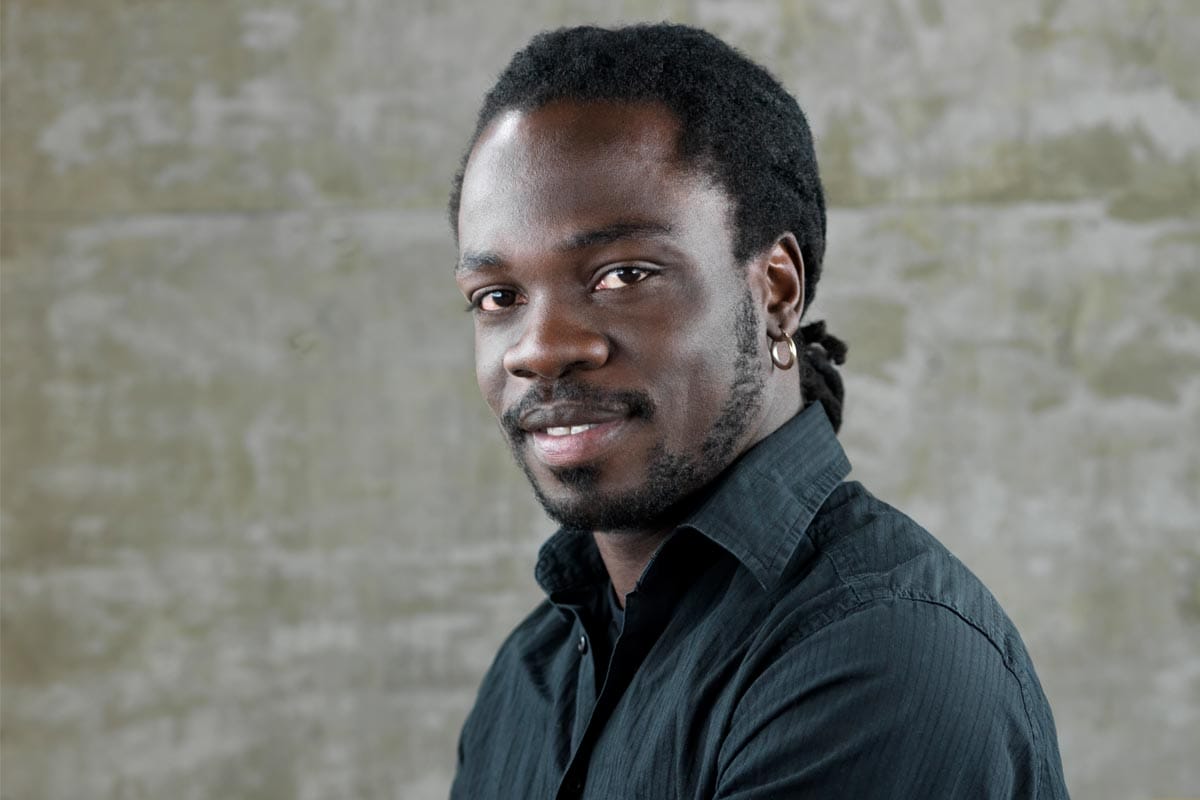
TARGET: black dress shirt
(795,638)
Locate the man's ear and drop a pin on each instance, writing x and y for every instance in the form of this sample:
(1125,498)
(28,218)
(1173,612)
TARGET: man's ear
(784,277)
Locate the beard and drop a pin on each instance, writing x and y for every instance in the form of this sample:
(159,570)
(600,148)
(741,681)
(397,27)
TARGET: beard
(672,479)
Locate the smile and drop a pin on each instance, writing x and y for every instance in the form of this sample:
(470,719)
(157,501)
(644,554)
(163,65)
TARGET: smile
(571,430)
(576,445)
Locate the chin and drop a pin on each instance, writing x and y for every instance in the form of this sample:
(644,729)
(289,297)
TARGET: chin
(595,513)
(578,500)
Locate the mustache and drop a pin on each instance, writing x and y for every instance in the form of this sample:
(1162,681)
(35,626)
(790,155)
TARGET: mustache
(639,405)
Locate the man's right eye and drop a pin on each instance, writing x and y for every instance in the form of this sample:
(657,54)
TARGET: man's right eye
(495,300)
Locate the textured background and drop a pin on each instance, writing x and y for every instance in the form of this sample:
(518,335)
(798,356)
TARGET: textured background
(260,536)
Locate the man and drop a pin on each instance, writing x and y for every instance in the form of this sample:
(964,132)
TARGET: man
(640,227)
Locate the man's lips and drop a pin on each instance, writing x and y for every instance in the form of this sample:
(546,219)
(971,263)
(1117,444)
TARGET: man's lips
(576,445)
(573,434)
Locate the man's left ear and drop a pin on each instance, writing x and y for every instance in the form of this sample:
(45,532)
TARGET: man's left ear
(784,274)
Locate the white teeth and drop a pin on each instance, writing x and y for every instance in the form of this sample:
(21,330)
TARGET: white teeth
(569,430)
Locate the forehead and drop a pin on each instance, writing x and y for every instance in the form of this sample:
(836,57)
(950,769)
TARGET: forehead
(570,166)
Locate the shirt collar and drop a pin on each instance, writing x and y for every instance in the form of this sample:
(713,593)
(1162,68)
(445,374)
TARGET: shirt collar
(762,506)
(758,509)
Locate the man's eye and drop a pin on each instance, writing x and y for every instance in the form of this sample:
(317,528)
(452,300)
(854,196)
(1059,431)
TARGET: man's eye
(495,300)
(622,276)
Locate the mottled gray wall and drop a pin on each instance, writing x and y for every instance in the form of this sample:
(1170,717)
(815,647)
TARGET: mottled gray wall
(260,537)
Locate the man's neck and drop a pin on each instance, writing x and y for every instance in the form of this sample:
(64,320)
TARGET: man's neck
(626,555)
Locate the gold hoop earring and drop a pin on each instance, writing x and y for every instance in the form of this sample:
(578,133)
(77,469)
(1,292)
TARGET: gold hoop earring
(791,352)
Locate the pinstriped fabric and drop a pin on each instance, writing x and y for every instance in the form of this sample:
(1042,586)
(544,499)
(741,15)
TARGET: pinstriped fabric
(795,638)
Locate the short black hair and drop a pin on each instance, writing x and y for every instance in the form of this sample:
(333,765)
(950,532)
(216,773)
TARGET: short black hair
(737,124)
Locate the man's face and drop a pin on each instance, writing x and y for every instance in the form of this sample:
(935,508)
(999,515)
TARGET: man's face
(615,338)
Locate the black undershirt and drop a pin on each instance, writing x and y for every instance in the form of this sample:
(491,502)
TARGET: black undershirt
(609,621)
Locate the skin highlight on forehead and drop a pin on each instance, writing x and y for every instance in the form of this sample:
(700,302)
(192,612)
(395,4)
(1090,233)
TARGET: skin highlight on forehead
(635,129)
(531,165)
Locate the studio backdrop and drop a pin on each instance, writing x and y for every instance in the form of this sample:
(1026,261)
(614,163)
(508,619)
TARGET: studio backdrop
(261,536)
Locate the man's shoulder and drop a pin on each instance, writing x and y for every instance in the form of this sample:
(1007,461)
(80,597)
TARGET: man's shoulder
(884,610)
(868,553)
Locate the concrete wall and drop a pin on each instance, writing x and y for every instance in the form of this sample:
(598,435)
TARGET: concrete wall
(260,536)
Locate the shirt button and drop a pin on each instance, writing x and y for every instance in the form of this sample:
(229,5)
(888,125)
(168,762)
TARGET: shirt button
(582,645)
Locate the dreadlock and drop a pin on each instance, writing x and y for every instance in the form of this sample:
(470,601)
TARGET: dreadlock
(738,125)
(821,352)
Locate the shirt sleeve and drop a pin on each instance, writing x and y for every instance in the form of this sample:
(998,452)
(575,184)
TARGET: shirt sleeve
(900,699)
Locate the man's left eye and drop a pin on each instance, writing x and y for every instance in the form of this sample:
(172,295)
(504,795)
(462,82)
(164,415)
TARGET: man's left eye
(622,276)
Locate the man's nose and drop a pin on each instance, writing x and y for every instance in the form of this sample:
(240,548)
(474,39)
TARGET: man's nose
(554,343)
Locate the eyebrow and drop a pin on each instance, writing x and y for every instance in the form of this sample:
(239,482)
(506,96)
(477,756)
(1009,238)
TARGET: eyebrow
(472,261)
(469,262)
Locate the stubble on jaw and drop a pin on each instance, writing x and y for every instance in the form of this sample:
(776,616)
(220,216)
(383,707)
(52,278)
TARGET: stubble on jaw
(671,479)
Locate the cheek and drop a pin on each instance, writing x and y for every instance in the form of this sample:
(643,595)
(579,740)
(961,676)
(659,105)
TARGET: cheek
(701,366)
(707,383)
(695,371)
